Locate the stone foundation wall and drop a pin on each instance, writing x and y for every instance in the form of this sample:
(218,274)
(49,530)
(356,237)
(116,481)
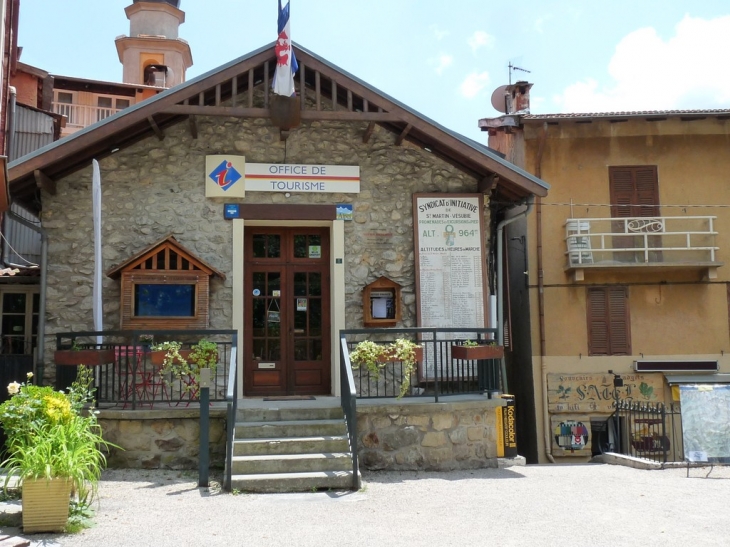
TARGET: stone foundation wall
(161,439)
(429,436)
(403,436)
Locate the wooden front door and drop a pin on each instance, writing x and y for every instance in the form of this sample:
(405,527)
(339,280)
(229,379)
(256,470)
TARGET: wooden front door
(287,312)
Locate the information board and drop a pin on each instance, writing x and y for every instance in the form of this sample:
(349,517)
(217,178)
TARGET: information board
(706,422)
(450,263)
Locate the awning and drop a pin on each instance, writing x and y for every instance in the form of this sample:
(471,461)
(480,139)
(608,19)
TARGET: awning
(697,379)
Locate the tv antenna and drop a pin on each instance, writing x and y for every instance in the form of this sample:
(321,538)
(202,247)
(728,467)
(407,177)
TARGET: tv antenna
(512,68)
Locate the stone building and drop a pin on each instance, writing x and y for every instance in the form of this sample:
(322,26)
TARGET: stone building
(318,201)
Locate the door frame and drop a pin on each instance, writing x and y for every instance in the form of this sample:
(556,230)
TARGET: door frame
(337,286)
(296,376)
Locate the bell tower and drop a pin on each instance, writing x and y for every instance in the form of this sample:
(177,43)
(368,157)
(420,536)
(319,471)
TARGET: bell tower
(153,54)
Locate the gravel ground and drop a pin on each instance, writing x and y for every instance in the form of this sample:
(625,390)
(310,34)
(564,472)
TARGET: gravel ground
(539,505)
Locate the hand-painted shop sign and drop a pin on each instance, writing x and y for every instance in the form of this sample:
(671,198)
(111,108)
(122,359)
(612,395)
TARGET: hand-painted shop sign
(231,176)
(594,393)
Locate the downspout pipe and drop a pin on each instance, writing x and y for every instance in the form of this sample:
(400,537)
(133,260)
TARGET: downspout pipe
(41,339)
(10,138)
(500,282)
(541,303)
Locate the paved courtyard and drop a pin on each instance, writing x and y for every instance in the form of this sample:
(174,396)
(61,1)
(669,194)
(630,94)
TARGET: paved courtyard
(590,505)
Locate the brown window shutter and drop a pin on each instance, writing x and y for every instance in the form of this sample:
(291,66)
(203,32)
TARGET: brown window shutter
(618,316)
(621,183)
(647,190)
(608,321)
(597,321)
(630,188)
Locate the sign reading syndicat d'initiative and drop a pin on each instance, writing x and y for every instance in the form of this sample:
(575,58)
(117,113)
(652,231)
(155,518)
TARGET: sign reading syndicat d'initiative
(232,176)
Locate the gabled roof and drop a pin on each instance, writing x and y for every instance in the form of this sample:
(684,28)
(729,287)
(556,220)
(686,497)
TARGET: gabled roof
(354,99)
(167,250)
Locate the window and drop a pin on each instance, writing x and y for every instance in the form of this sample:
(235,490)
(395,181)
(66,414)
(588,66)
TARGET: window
(609,331)
(65,105)
(19,322)
(158,300)
(634,193)
(165,287)
(106,106)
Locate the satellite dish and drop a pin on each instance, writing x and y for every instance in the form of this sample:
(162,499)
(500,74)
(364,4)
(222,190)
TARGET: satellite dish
(498,101)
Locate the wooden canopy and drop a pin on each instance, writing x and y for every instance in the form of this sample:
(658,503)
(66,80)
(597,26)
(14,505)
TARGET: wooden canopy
(165,255)
(334,94)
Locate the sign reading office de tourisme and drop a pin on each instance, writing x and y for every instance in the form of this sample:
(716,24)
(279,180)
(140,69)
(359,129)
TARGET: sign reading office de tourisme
(232,176)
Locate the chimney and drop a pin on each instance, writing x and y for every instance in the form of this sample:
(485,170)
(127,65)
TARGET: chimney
(520,97)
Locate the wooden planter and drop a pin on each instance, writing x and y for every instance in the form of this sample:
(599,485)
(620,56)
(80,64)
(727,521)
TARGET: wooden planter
(389,358)
(45,504)
(88,357)
(158,357)
(471,353)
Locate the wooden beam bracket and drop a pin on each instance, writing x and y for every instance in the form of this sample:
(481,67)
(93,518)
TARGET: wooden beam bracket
(160,134)
(368,132)
(45,182)
(402,136)
(193,122)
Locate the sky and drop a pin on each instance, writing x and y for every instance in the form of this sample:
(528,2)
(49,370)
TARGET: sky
(443,58)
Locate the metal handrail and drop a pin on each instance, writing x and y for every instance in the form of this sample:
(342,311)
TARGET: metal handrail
(348,400)
(231,411)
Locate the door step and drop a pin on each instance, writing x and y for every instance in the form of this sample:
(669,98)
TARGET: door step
(293,482)
(291,450)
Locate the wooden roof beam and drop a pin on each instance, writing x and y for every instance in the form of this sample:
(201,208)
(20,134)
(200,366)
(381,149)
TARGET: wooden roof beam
(153,124)
(45,182)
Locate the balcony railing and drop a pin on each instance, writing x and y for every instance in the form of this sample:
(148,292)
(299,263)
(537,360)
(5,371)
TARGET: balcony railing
(658,242)
(79,116)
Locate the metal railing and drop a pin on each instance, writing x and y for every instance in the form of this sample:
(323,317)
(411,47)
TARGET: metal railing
(130,378)
(231,411)
(348,400)
(643,240)
(648,431)
(438,373)
(79,116)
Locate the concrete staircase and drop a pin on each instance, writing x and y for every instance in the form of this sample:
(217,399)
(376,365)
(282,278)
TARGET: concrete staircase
(291,448)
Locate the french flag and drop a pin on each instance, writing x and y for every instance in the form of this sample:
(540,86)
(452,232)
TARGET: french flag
(286,62)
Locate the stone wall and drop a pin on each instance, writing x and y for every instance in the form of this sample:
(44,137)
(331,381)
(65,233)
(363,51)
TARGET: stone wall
(400,436)
(154,188)
(429,436)
(161,439)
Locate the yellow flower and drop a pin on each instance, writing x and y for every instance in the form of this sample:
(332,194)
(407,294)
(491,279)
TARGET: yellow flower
(29,375)
(58,409)
(13,388)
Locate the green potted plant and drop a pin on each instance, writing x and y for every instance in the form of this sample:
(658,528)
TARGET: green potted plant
(185,364)
(78,355)
(469,350)
(375,356)
(54,447)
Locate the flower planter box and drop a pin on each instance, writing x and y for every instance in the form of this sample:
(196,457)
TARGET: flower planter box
(390,358)
(471,353)
(88,357)
(45,504)
(158,357)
